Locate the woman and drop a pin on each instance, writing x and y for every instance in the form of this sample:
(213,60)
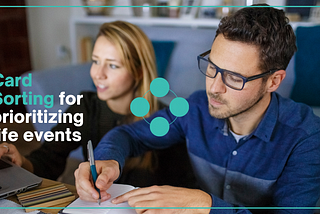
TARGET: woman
(122,69)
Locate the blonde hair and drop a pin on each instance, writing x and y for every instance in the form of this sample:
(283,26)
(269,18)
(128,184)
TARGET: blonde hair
(137,55)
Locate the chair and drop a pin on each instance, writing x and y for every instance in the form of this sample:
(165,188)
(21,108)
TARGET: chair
(306,87)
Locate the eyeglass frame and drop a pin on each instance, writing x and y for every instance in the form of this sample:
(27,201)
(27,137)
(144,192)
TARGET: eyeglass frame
(221,71)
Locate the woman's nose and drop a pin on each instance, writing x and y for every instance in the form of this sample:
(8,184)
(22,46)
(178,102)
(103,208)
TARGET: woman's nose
(98,72)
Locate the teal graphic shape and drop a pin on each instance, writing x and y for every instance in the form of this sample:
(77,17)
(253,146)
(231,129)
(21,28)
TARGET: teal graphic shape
(159,87)
(159,126)
(140,107)
(179,107)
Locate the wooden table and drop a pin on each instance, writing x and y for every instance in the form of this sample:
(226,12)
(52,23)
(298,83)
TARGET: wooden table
(46,183)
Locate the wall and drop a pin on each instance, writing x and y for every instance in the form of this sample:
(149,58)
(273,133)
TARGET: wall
(48,28)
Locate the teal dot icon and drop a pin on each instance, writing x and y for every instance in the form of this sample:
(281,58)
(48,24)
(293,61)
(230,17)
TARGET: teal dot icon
(159,87)
(159,126)
(179,106)
(139,107)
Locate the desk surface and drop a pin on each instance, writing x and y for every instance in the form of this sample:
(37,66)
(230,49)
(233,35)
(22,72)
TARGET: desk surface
(46,183)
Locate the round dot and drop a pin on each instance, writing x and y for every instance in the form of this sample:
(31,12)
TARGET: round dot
(234,152)
(159,87)
(159,126)
(179,107)
(139,107)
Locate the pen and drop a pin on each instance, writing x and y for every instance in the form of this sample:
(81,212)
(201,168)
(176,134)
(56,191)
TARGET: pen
(93,168)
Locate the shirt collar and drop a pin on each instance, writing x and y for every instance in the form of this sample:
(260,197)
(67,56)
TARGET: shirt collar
(220,124)
(269,120)
(265,127)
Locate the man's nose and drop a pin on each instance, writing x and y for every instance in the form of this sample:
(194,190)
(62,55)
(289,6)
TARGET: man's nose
(217,85)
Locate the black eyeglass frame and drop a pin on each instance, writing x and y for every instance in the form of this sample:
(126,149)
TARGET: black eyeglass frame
(220,70)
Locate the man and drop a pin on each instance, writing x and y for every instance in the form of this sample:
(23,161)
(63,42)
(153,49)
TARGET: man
(249,146)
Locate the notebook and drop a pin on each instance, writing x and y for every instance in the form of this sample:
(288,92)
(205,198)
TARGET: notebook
(15,179)
(83,207)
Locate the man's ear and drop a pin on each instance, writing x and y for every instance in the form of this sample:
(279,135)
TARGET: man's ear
(275,80)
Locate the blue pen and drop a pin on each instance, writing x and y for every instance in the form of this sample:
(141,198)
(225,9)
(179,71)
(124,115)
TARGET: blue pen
(93,168)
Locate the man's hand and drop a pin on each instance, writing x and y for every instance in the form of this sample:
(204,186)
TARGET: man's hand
(108,171)
(166,196)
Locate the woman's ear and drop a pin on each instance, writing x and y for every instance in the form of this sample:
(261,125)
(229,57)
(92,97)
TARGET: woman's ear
(275,80)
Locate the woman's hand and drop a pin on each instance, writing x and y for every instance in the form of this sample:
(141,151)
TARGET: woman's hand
(10,151)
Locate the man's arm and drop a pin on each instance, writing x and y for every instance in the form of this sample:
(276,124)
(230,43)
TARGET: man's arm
(134,139)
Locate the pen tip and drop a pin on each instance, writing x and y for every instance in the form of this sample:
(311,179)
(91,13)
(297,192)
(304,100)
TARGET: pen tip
(99,201)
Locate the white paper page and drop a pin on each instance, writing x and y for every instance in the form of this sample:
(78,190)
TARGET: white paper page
(7,203)
(115,190)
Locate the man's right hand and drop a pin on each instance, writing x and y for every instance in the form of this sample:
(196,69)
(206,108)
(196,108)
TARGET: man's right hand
(108,171)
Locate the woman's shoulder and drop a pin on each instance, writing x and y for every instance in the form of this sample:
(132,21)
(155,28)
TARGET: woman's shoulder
(89,100)
(89,95)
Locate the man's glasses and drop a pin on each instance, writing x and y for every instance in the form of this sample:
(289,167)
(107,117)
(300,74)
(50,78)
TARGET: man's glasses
(229,78)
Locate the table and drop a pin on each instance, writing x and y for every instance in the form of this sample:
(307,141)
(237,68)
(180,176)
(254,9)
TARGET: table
(46,183)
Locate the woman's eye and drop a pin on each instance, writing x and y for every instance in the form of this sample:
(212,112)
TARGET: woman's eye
(95,62)
(113,66)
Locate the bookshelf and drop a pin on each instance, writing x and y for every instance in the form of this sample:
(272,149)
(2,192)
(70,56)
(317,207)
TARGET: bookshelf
(87,26)
(157,28)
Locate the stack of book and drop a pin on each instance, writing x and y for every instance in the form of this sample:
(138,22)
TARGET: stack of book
(45,197)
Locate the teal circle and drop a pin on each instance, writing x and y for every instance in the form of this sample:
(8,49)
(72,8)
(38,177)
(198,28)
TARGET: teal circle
(159,87)
(159,126)
(139,107)
(179,107)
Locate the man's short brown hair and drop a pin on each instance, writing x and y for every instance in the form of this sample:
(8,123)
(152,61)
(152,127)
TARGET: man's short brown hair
(267,28)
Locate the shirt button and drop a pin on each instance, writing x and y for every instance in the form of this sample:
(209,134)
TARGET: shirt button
(234,152)
(228,187)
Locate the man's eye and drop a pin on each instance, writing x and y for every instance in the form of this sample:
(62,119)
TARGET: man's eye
(233,78)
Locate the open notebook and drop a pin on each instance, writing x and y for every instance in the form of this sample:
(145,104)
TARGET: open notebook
(83,207)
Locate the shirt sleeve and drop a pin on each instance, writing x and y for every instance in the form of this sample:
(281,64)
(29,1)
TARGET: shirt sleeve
(136,138)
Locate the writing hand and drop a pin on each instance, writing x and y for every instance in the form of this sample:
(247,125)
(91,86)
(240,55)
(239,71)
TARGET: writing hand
(166,196)
(108,171)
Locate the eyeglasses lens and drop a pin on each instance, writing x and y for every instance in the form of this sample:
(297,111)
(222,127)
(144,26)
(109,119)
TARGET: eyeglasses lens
(207,68)
(230,79)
